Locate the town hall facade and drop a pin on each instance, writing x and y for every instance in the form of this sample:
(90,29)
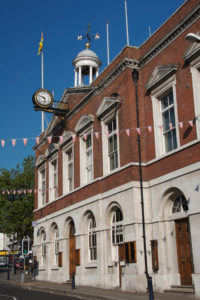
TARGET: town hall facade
(88,211)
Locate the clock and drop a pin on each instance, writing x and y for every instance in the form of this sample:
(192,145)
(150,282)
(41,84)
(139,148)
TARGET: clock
(43,98)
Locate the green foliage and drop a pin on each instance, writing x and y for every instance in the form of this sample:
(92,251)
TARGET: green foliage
(16,210)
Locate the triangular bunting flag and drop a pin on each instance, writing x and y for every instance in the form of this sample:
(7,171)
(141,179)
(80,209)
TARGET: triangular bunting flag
(25,141)
(191,123)
(13,142)
(128,132)
(138,130)
(96,135)
(181,124)
(74,138)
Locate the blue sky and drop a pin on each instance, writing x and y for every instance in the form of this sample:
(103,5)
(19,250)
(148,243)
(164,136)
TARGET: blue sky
(21,23)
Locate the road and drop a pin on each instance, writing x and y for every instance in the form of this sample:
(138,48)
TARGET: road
(9,292)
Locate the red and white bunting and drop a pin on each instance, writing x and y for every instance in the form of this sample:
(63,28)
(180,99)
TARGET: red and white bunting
(96,135)
(13,142)
(191,123)
(117,132)
(25,141)
(138,130)
(128,132)
(181,124)
(2,143)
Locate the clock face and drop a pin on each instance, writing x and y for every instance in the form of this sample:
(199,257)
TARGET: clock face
(43,98)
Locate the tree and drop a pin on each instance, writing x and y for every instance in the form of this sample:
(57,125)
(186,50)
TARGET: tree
(16,200)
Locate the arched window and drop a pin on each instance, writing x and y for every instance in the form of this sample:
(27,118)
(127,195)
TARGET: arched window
(43,248)
(92,239)
(117,226)
(55,244)
(179,204)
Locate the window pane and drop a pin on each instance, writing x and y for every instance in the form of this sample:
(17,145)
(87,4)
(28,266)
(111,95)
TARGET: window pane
(171,100)
(164,102)
(166,120)
(172,117)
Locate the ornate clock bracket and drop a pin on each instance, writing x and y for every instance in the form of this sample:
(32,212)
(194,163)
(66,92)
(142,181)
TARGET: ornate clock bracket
(43,101)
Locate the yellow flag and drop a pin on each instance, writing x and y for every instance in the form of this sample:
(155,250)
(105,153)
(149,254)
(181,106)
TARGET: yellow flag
(40,44)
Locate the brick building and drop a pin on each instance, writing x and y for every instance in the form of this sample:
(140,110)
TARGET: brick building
(88,207)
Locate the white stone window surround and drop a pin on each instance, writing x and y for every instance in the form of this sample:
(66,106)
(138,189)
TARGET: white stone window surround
(53,177)
(69,147)
(104,121)
(117,232)
(84,152)
(195,72)
(42,185)
(156,94)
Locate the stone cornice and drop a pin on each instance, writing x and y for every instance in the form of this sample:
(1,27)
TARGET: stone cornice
(172,35)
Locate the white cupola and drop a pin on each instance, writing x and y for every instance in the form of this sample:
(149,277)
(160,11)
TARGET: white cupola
(86,67)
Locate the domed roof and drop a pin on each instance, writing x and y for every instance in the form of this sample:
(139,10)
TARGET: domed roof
(87,53)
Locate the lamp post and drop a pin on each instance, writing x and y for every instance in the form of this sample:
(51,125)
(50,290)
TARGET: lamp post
(135,76)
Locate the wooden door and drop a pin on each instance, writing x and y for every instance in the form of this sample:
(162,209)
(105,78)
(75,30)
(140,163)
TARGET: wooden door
(184,252)
(72,256)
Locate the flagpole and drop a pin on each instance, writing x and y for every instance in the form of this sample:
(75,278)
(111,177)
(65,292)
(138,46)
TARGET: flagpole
(42,82)
(127,35)
(108,55)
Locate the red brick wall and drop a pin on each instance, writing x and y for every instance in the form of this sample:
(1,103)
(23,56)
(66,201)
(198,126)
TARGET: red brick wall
(124,86)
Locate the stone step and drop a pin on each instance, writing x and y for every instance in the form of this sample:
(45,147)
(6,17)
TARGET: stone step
(189,289)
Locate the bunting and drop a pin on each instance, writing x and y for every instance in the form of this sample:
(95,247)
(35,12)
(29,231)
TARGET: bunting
(128,131)
(26,191)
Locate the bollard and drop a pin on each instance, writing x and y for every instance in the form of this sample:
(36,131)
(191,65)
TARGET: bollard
(8,274)
(22,277)
(73,281)
(150,288)
(13,270)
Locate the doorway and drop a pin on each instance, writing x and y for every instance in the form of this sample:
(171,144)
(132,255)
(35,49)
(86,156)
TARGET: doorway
(72,250)
(184,251)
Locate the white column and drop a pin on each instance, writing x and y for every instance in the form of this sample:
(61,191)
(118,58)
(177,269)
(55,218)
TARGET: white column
(90,75)
(97,72)
(79,76)
(75,78)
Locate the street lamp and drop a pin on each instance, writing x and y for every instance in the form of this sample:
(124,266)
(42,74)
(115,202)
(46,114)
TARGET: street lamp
(135,76)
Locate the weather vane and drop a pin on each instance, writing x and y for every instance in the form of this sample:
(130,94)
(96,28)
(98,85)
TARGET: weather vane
(88,37)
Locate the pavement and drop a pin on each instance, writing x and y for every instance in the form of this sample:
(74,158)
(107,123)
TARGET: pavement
(84,292)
